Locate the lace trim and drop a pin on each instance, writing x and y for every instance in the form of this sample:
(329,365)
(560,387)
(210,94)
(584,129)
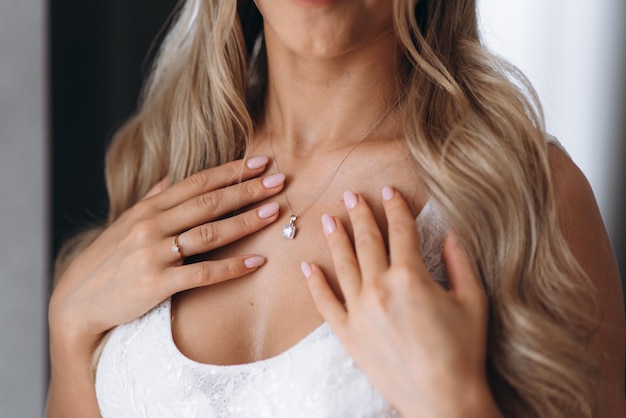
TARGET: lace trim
(143,374)
(432,231)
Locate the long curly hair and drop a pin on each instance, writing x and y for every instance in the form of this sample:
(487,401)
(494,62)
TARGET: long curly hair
(475,130)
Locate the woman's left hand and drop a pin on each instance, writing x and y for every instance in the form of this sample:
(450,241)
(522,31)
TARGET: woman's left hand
(423,348)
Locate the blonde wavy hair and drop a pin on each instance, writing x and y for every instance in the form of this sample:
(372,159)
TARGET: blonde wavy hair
(476,133)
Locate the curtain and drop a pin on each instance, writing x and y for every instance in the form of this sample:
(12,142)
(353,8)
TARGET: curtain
(98,53)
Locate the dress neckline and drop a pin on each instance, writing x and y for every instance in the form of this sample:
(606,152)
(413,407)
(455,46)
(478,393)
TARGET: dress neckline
(320,331)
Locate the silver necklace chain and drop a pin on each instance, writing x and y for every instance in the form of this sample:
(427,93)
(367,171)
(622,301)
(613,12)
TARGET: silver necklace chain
(289,231)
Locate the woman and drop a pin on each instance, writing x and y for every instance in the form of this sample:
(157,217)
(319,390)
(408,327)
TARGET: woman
(361,114)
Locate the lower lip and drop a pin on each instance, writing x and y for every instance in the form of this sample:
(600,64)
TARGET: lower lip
(317,3)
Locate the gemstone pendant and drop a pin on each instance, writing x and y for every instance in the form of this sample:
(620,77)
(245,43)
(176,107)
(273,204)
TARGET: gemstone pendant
(289,231)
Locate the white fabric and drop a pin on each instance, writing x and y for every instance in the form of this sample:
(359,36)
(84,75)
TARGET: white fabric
(143,374)
(555,141)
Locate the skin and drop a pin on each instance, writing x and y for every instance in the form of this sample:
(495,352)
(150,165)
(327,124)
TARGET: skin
(326,62)
(583,228)
(270,309)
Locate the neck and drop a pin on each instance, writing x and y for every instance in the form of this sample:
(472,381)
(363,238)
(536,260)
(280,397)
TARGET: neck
(330,103)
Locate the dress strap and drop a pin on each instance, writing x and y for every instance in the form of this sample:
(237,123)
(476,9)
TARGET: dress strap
(551,139)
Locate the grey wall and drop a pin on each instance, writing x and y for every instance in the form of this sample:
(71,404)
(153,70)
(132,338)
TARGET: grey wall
(23,208)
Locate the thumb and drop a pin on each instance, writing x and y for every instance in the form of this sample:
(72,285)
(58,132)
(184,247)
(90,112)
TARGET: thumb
(157,188)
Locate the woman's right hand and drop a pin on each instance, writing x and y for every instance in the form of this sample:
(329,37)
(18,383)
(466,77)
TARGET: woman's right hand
(132,265)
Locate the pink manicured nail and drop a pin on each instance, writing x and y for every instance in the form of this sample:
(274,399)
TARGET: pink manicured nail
(388,193)
(349,199)
(257,162)
(254,262)
(306,269)
(274,180)
(329,224)
(268,210)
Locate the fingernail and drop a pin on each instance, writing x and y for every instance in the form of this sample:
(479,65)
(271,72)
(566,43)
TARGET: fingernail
(274,180)
(257,162)
(329,224)
(388,193)
(254,262)
(306,269)
(268,210)
(349,199)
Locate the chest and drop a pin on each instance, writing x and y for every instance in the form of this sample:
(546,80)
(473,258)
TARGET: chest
(264,313)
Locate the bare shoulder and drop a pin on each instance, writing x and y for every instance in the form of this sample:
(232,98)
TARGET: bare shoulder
(579,216)
(584,230)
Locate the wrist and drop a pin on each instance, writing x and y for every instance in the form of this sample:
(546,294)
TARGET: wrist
(70,350)
(472,400)
(69,333)
(477,401)
(68,359)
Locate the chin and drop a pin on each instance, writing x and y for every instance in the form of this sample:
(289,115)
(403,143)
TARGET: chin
(317,3)
(326,28)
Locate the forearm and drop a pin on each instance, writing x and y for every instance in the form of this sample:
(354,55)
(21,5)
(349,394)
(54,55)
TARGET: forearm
(71,392)
(72,397)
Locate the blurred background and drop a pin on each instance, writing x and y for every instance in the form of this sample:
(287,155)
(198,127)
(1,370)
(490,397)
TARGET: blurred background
(70,72)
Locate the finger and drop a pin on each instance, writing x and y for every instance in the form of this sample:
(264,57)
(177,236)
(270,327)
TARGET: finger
(213,205)
(325,300)
(404,244)
(205,273)
(344,260)
(464,282)
(368,240)
(209,236)
(209,180)
(156,189)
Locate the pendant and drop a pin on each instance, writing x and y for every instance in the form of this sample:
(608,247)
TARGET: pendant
(289,231)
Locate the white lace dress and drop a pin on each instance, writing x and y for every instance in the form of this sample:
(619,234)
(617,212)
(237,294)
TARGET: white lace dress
(143,374)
